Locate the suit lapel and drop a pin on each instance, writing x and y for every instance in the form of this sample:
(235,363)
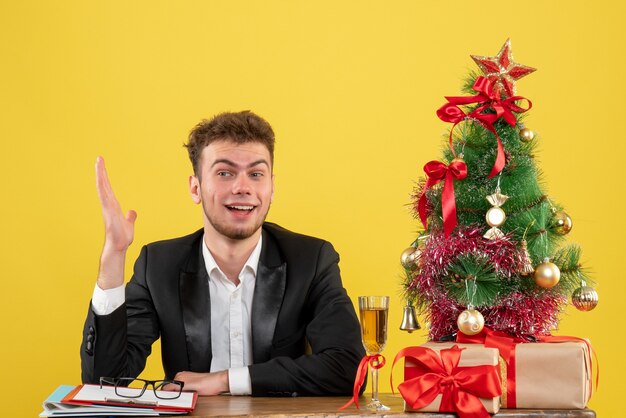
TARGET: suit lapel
(269,290)
(196,309)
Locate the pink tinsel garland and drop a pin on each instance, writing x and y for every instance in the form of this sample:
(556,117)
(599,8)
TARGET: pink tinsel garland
(518,313)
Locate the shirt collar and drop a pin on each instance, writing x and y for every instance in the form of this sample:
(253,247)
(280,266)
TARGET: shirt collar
(251,264)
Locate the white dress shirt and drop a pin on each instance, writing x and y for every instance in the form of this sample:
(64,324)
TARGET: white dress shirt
(231,309)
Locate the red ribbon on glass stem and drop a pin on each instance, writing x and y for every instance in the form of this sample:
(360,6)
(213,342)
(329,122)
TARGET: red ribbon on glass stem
(376,361)
(437,171)
(489,97)
(461,387)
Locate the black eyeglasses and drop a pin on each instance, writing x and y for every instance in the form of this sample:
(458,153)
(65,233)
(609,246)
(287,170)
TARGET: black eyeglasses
(129,387)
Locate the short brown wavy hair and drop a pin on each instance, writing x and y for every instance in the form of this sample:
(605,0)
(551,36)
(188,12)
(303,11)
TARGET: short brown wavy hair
(239,127)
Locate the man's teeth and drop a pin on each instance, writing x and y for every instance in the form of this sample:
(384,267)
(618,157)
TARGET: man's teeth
(242,207)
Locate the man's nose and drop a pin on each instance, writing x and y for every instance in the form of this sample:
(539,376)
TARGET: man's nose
(241,185)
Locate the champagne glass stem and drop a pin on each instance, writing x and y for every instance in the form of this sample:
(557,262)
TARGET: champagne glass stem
(375,383)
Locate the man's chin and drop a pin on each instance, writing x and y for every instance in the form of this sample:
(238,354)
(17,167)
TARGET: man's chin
(239,234)
(236,233)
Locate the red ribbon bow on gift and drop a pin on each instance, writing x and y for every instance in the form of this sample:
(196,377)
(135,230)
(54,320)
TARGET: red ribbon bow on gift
(489,97)
(461,387)
(376,361)
(437,171)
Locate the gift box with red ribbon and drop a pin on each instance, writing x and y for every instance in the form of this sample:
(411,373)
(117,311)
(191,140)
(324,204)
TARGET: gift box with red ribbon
(551,376)
(448,377)
(554,373)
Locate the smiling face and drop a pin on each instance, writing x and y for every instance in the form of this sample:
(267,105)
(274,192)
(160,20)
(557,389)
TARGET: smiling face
(235,186)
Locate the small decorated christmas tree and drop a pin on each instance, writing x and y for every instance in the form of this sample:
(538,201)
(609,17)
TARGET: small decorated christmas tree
(491,252)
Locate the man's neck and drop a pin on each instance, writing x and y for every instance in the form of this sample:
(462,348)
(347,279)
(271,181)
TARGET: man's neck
(231,255)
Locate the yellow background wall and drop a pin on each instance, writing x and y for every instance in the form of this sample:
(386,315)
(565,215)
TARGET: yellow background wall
(351,88)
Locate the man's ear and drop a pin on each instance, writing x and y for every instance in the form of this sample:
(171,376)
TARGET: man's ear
(194,189)
(272,196)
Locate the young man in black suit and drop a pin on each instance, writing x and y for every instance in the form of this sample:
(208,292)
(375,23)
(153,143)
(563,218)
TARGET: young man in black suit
(242,305)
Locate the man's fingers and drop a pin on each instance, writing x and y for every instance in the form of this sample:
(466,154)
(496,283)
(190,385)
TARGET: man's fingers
(171,387)
(179,376)
(206,384)
(102,180)
(108,201)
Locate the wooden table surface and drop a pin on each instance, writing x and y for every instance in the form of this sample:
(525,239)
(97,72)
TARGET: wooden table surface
(246,406)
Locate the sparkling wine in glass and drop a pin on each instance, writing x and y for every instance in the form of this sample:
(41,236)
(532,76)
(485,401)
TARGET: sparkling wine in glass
(373,311)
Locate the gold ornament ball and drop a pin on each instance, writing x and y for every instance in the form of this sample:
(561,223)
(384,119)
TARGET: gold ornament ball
(495,216)
(547,274)
(585,298)
(410,257)
(562,223)
(470,322)
(526,135)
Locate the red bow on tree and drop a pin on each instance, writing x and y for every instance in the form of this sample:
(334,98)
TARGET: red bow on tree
(461,387)
(489,97)
(437,171)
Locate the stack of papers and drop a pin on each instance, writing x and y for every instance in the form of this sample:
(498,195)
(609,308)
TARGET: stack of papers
(91,400)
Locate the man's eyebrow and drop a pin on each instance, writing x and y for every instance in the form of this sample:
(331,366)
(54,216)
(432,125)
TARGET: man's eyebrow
(233,164)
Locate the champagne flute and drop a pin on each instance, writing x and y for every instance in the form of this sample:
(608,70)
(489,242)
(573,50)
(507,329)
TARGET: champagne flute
(373,311)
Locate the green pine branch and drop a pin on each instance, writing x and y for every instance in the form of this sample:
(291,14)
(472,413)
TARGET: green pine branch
(472,280)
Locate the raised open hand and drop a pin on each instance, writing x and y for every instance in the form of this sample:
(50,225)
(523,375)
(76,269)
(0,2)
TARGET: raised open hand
(119,231)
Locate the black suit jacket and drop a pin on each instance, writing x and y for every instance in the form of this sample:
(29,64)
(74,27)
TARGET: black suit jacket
(299,305)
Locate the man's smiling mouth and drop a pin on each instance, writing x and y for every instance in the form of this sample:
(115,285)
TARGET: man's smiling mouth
(242,208)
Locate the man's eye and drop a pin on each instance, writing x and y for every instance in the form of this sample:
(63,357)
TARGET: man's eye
(256,175)
(223,174)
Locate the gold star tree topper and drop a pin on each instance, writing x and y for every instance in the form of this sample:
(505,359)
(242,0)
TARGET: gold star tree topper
(502,70)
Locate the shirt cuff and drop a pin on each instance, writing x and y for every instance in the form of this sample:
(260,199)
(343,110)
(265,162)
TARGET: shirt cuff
(104,302)
(239,381)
